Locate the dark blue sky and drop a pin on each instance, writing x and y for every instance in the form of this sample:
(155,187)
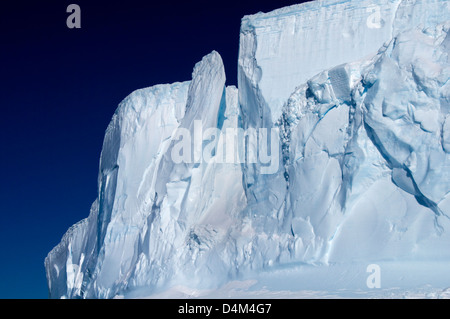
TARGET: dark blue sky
(59,88)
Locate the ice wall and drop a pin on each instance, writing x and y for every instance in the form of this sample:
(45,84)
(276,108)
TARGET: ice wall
(320,51)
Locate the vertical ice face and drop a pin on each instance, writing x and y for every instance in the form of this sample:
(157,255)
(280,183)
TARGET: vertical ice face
(284,48)
(322,51)
(153,216)
(189,215)
(135,139)
(363,154)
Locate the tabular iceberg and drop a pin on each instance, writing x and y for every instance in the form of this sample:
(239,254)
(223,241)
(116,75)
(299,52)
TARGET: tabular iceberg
(358,93)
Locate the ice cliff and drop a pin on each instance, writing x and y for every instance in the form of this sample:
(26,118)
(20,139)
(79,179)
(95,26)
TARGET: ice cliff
(359,95)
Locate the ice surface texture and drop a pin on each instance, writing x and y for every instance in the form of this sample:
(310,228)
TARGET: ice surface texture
(359,92)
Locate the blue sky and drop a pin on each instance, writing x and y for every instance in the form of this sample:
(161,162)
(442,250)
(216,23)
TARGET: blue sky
(59,89)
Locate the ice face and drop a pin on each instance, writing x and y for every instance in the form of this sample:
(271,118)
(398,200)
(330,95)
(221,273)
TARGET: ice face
(361,165)
(154,217)
(358,92)
(134,140)
(326,139)
(284,48)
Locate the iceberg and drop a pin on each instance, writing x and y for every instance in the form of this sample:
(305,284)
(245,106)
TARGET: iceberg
(350,100)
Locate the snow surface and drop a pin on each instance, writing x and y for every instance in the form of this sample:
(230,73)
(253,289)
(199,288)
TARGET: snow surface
(359,92)
(399,280)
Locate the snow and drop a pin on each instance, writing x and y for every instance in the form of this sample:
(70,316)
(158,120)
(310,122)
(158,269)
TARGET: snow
(358,95)
(397,281)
